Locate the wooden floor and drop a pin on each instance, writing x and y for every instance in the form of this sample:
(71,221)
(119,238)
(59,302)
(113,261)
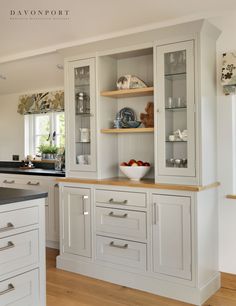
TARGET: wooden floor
(70,289)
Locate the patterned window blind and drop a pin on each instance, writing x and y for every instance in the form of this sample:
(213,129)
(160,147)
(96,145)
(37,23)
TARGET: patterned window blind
(41,103)
(228,76)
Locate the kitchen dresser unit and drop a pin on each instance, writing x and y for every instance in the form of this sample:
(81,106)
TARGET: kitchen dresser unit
(158,235)
(40,183)
(22,248)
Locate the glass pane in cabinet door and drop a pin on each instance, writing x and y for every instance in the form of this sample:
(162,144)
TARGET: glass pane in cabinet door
(176,132)
(82,115)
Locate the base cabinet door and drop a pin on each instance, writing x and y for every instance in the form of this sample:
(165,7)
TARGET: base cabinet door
(172,235)
(76,218)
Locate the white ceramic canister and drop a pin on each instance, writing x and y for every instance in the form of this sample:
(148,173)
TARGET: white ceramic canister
(84,135)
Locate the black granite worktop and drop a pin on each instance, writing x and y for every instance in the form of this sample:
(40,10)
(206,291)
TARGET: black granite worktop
(40,169)
(9,195)
(33,171)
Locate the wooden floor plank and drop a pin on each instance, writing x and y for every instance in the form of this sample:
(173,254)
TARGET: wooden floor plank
(70,289)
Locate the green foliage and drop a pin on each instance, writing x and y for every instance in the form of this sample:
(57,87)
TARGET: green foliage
(47,149)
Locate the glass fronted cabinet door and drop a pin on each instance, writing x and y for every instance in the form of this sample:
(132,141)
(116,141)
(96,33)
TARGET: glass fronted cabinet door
(81,135)
(175,110)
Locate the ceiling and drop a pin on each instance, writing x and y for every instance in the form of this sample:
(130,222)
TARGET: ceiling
(22,36)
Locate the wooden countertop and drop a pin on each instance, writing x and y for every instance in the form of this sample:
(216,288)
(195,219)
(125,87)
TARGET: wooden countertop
(147,183)
(231,196)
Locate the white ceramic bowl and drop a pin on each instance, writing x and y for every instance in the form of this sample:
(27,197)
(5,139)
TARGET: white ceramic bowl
(135,173)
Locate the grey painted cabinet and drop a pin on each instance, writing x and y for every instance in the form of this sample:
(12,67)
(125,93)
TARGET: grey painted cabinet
(76,235)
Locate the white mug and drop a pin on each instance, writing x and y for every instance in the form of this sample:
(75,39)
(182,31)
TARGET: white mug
(81,159)
(171,137)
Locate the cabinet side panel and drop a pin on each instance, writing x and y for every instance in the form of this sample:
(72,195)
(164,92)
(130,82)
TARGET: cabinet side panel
(207,231)
(106,109)
(208,130)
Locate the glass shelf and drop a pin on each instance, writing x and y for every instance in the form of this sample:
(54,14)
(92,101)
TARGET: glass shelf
(81,85)
(84,114)
(176,76)
(172,109)
(176,141)
(83,142)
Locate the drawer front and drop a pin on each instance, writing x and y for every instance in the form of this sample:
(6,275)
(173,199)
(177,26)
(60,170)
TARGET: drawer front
(18,251)
(27,183)
(11,182)
(121,222)
(21,290)
(18,218)
(121,198)
(121,252)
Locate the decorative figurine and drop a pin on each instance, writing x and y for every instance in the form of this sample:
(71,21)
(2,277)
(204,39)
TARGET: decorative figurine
(148,119)
(129,82)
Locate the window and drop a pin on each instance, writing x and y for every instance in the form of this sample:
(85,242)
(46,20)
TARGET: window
(44,129)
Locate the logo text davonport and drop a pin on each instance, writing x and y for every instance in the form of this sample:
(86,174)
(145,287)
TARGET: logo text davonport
(38,13)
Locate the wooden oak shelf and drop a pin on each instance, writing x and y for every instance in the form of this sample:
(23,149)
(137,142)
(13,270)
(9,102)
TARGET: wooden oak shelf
(231,196)
(126,93)
(127,130)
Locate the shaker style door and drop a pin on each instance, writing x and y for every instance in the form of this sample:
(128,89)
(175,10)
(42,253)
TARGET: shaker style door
(176,110)
(81,115)
(76,221)
(172,236)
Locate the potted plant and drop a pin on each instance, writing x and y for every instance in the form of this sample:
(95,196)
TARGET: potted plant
(48,151)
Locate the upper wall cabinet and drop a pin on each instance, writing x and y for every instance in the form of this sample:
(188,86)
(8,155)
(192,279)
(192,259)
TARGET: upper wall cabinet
(177,64)
(175,103)
(80,106)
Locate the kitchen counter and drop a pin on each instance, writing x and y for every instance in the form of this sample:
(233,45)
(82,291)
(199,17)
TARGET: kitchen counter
(32,171)
(9,195)
(145,183)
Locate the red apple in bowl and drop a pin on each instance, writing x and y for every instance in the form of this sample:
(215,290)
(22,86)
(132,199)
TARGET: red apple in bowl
(131,162)
(140,163)
(135,170)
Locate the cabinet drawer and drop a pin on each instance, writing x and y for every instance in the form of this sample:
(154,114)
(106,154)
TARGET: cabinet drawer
(121,252)
(121,222)
(21,290)
(18,251)
(121,198)
(25,183)
(18,218)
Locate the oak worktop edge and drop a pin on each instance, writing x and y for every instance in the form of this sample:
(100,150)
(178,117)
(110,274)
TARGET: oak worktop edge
(148,183)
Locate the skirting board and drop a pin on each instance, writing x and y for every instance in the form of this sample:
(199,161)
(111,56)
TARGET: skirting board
(196,296)
(52,244)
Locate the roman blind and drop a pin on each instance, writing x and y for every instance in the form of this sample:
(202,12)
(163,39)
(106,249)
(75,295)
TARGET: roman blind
(39,103)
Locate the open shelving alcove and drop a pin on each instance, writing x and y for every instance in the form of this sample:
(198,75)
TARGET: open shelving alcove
(124,144)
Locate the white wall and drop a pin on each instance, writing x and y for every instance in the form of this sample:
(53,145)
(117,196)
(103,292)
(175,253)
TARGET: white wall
(226,151)
(12,134)
(11,128)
